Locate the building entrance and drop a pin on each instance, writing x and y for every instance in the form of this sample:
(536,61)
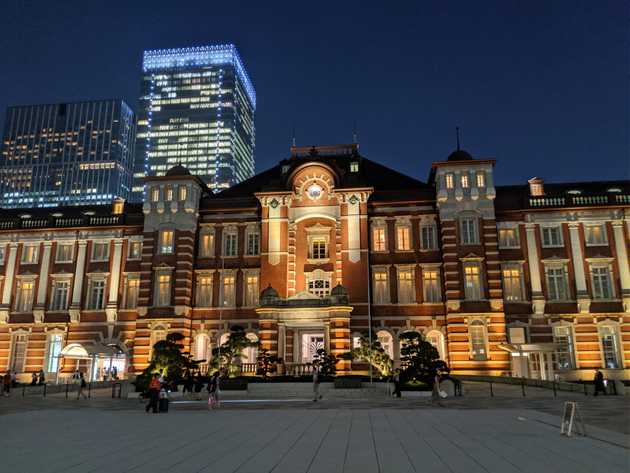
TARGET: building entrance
(311,342)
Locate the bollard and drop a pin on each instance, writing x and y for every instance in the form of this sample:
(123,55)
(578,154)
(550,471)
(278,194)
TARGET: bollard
(67,387)
(89,390)
(554,389)
(23,390)
(523,387)
(491,391)
(45,387)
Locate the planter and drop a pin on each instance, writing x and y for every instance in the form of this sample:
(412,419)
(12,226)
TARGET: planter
(233,384)
(348,383)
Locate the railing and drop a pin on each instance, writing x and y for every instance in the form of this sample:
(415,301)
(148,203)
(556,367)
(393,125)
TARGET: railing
(578,200)
(62,222)
(298,369)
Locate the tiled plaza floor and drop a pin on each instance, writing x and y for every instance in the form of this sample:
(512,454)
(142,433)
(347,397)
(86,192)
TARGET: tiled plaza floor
(297,440)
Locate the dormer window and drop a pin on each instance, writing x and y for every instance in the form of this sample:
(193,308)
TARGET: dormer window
(465,182)
(285,169)
(354,166)
(155,194)
(183,193)
(481,179)
(169,193)
(450,181)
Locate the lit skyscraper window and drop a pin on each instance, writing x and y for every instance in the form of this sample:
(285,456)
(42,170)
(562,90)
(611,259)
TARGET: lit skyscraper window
(67,154)
(196,109)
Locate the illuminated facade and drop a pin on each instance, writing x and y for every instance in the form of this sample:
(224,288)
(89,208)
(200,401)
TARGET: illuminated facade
(531,280)
(196,109)
(67,154)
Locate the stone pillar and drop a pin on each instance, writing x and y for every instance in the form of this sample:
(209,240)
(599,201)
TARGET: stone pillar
(114,282)
(40,302)
(622,262)
(538,299)
(549,362)
(7,290)
(77,289)
(583,299)
(340,341)
(269,336)
(281,340)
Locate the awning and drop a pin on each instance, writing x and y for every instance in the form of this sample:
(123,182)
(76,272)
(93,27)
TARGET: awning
(76,350)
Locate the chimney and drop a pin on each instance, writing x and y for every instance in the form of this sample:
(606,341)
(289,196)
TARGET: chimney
(536,187)
(118,206)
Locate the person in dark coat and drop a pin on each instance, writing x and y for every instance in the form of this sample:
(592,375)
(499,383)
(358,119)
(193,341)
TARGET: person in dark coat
(599,383)
(396,381)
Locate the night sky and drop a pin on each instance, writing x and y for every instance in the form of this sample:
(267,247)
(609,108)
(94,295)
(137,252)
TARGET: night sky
(541,86)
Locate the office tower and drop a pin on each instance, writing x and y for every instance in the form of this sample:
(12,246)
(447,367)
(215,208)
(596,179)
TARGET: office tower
(67,154)
(196,109)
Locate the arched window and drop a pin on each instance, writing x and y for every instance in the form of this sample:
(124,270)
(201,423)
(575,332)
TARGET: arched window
(158,333)
(565,347)
(477,330)
(609,339)
(319,283)
(250,354)
(202,347)
(436,338)
(386,341)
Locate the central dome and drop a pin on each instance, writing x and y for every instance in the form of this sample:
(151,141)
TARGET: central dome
(178,170)
(459,155)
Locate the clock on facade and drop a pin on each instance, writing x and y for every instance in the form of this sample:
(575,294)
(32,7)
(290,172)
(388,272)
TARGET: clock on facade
(314,191)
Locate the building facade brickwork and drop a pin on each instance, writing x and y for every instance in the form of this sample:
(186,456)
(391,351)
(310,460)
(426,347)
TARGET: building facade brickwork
(530,280)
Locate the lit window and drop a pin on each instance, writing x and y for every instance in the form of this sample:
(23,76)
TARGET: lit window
(24,296)
(478,340)
(481,179)
(206,245)
(227,290)
(2,253)
(602,282)
(403,238)
(204,291)
(251,290)
(319,249)
(100,251)
(508,238)
(230,244)
(610,346)
(354,166)
(565,352)
(512,283)
(557,283)
(472,281)
(202,347)
(406,293)
(468,231)
(253,243)
(183,192)
(464,180)
(64,253)
(436,338)
(551,237)
(96,294)
(60,293)
(162,289)
(379,241)
(450,181)
(167,242)
(319,283)
(135,250)
(381,287)
(19,343)
(595,235)
(54,345)
(30,254)
(155,194)
(431,286)
(429,240)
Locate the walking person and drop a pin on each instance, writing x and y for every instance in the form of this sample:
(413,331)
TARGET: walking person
(6,384)
(42,377)
(213,391)
(599,383)
(33,379)
(14,383)
(154,393)
(316,395)
(82,386)
(396,380)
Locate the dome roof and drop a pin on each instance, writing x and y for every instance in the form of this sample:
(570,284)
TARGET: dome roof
(459,155)
(178,170)
(269,292)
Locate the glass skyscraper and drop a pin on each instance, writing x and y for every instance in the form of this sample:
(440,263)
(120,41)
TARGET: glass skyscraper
(196,109)
(67,154)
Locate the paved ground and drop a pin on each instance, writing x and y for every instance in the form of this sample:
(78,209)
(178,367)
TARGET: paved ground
(297,440)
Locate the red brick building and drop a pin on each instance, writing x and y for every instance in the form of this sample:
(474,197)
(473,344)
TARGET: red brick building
(531,279)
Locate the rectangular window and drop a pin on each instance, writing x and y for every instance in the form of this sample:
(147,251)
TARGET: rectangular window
(381,287)
(167,242)
(565,355)
(96,294)
(30,254)
(204,291)
(379,239)
(354,166)
(406,293)
(595,235)
(557,284)
(429,239)
(610,347)
(551,237)
(464,180)
(251,290)
(481,179)
(478,340)
(60,293)
(230,245)
(449,181)
(169,193)
(19,343)
(24,296)
(53,350)
(319,249)
(468,231)
(508,238)
(206,245)
(431,286)
(163,289)
(155,194)
(602,282)
(227,291)
(472,281)
(100,251)
(403,238)
(135,250)
(132,289)
(512,283)
(319,285)
(64,253)
(183,192)
(253,243)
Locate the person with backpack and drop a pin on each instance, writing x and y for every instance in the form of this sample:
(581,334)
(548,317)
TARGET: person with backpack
(82,386)
(154,393)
